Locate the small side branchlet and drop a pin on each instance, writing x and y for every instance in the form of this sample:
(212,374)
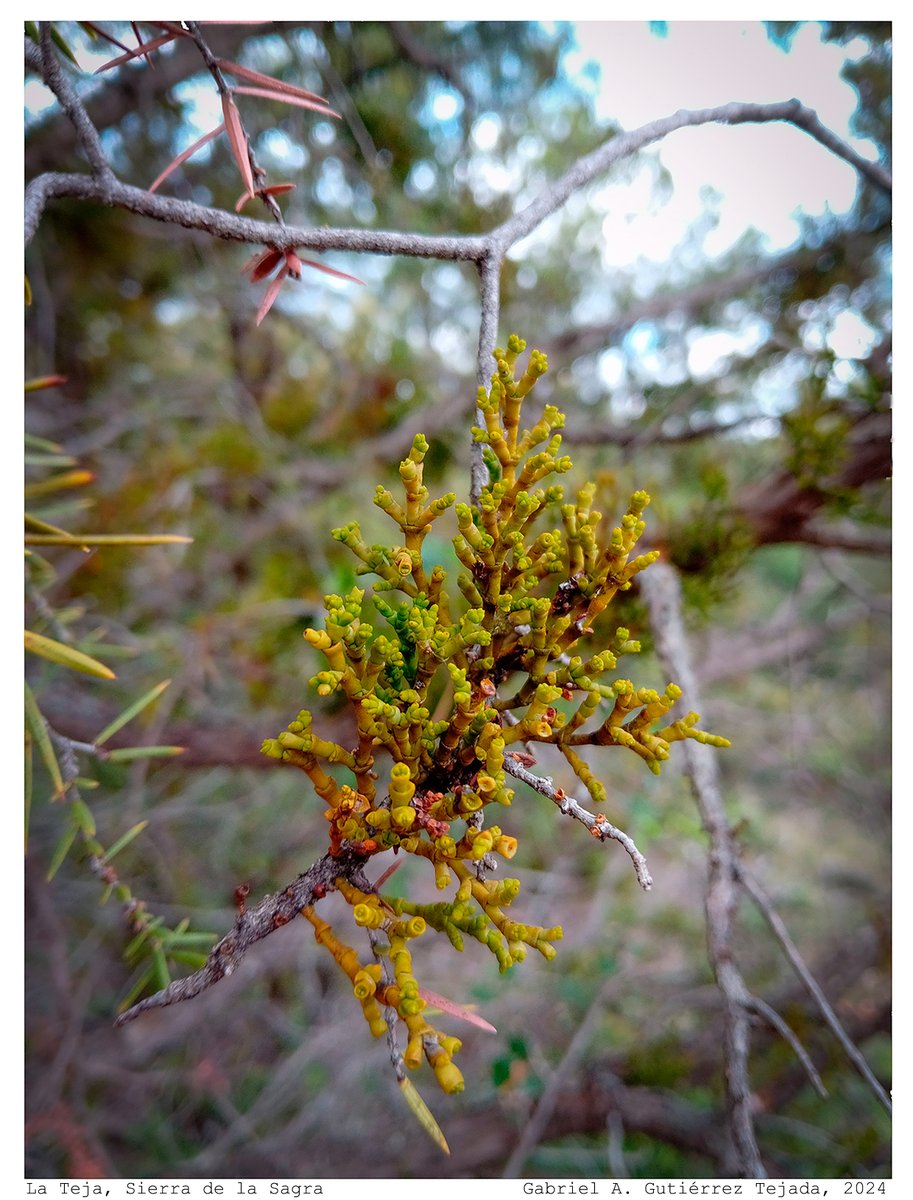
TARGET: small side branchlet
(524,652)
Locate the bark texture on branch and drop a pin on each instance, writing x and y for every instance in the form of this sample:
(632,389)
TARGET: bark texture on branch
(265,918)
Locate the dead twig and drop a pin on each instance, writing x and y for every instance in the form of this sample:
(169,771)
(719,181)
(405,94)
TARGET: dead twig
(773,1018)
(598,826)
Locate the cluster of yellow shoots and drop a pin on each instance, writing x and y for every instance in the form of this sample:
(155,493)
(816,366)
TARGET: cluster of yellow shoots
(447,695)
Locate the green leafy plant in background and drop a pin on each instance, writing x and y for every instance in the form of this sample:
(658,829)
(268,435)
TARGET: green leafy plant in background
(53,475)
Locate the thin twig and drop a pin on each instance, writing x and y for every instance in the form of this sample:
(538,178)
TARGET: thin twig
(494,244)
(855,584)
(595,164)
(53,74)
(773,1018)
(134,90)
(602,829)
(781,933)
(869,541)
(390,1014)
(45,612)
(361,135)
(615,1146)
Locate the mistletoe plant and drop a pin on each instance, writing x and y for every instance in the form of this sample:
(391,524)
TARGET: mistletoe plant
(423,777)
(450,691)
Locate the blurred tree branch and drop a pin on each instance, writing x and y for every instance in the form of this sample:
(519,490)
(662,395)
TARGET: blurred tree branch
(661,589)
(781,933)
(662,592)
(782,508)
(775,273)
(413,48)
(136,90)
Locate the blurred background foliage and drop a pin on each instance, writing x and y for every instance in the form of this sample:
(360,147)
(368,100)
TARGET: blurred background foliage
(768,470)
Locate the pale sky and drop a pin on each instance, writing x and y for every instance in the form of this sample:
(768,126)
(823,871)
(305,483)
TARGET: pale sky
(764,172)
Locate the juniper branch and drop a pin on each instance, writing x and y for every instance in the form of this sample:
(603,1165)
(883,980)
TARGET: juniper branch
(592,166)
(273,911)
(232,228)
(458,248)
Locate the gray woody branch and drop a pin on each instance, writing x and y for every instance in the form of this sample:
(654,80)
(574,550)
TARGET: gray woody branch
(251,926)
(486,251)
(661,590)
(781,933)
(477,249)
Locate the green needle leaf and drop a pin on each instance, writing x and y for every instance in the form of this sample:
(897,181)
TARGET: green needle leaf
(61,851)
(39,731)
(127,838)
(160,967)
(107,539)
(130,753)
(45,459)
(422,1114)
(61,45)
(138,988)
(129,713)
(57,483)
(45,526)
(83,817)
(66,656)
(133,947)
(36,385)
(186,941)
(190,958)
